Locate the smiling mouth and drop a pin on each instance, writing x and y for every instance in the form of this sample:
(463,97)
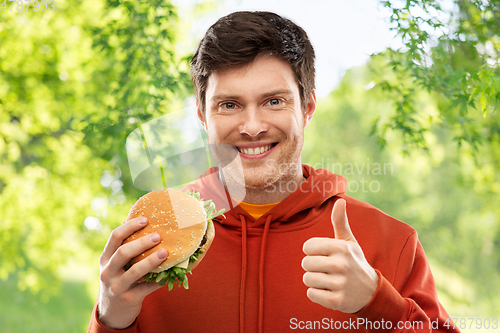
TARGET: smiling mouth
(256,150)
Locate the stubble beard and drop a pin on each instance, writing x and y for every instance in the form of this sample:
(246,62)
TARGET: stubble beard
(283,169)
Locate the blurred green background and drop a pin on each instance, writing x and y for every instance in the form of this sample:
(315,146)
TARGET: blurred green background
(416,131)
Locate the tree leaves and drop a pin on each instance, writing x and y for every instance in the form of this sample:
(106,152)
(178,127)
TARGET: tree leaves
(73,84)
(454,55)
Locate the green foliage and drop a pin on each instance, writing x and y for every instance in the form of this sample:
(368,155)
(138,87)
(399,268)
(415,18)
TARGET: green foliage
(143,74)
(451,134)
(73,84)
(45,194)
(453,54)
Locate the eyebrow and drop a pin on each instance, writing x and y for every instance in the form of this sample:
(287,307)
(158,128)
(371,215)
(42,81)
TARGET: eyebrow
(267,94)
(278,92)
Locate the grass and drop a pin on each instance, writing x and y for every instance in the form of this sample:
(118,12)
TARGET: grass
(21,311)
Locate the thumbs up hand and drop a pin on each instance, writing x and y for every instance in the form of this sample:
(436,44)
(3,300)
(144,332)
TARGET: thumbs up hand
(337,273)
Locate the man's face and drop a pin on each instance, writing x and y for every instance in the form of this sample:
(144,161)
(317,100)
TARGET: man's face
(254,111)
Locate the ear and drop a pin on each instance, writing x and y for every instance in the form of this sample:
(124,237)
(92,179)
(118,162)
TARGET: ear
(310,108)
(201,116)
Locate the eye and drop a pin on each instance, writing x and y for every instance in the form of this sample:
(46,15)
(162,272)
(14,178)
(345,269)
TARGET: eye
(229,106)
(274,102)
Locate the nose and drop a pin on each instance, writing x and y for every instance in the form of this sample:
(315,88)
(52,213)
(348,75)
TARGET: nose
(253,122)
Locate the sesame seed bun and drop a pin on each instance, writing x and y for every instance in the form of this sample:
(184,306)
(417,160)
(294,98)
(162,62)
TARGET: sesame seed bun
(179,219)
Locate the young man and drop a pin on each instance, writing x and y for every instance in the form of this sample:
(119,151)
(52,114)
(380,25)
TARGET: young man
(297,252)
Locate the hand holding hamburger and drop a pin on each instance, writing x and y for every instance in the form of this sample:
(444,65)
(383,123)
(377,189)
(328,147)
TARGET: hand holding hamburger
(133,256)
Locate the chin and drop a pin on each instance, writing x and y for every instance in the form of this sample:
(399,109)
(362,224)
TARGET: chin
(252,179)
(262,179)
(259,185)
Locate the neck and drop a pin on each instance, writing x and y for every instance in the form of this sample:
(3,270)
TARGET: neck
(272,193)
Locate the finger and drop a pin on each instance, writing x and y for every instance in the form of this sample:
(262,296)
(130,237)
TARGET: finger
(332,282)
(324,264)
(327,298)
(319,246)
(138,270)
(146,288)
(118,235)
(130,250)
(340,222)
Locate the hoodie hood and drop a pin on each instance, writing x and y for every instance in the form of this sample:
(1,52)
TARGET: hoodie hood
(302,205)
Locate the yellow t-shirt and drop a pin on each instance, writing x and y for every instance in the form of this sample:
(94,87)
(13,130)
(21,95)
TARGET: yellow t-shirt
(256,211)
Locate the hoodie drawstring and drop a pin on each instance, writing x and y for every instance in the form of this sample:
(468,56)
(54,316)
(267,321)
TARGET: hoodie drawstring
(243,272)
(261,272)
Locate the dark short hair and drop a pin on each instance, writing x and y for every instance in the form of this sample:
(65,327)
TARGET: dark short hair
(238,38)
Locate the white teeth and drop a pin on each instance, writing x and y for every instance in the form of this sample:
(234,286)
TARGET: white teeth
(255,151)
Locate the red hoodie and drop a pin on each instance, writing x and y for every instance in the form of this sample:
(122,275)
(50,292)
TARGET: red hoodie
(251,278)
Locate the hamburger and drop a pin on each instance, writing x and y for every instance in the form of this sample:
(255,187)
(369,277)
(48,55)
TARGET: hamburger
(184,222)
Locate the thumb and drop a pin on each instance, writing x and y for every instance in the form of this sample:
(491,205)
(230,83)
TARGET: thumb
(340,222)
